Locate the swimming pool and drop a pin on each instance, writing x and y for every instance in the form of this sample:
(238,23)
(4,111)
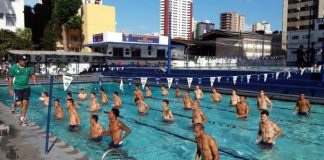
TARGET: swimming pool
(152,139)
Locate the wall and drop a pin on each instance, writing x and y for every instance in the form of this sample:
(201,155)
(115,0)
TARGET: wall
(97,19)
(15,7)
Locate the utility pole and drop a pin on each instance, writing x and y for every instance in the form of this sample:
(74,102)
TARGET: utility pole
(169,37)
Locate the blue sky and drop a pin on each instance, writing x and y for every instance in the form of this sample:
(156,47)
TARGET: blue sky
(142,16)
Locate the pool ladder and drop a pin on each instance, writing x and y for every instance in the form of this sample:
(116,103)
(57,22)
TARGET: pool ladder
(111,150)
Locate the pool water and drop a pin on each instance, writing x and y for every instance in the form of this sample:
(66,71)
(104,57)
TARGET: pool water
(152,139)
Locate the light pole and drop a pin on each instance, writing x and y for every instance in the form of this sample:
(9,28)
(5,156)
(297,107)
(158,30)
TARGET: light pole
(309,30)
(169,37)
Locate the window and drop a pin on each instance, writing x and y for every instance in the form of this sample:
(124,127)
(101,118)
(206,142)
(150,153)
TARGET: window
(321,27)
(160,53)
(127,51)
(1,16)
(118,52)
(10,19)
(295,37)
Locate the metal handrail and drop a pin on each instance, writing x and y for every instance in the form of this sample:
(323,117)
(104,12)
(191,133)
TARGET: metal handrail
(110,150)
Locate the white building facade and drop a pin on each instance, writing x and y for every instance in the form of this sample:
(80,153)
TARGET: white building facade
(300,37)
(263,26)
(181,18)
(12,14)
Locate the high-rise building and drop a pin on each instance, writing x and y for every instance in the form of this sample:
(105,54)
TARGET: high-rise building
(299,25)
(231,21)
(12,14)
(204,27)
(181,18)
(263,26)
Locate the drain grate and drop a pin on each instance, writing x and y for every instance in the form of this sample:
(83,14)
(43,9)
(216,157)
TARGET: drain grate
(12,154)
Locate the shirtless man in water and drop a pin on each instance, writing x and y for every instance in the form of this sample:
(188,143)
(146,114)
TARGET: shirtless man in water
(148,92)
(263,101)
(46,99)
(165,92)
(167,114)
(187,101)
(268,131)
(96,129)
(104,96)
(242,108)
(142,107)
(115,129)
(117,101)
(138,93)
(94,105)
(234,98)
(303,106)
(216,97)
(82,96)
(74,124)
(178,93)
(198,93)
(207,147)
(198,115)
(59,114)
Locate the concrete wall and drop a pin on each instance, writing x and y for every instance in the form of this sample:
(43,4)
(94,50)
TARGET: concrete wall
(14,8)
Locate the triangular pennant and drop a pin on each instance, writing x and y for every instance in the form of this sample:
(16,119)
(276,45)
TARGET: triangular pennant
(176,81)
(121,85)
(248,78)
(97,69)
(234,79)
(112,68)
(258,78)
(143,81)
(103,69)
(288,76)
(311,69)
(157,81)
(169,82)
(212,80)
(66,81)
(189,79)
(122,68)
(277,75)
(218,79)
(319,68)
(199,81)
(265,76)
(100,80)
(302,71)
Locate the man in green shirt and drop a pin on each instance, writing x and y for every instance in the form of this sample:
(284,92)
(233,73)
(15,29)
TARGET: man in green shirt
(19,85)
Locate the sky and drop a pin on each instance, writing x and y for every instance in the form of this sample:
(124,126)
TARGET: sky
(143,16)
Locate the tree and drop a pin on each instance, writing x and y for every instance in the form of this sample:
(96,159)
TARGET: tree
(9,40)
(63,11)
(25,33)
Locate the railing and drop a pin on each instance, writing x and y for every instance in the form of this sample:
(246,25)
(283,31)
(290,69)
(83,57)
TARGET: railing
(111,150)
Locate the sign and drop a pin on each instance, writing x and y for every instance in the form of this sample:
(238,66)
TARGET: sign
(143,81)
(189,79)
(62,58)
(140,38)
(97,37)
(169,82)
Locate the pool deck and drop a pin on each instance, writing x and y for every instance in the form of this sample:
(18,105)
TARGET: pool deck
(28,142)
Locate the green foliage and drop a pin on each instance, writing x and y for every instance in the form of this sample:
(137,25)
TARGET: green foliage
(10,41)
(25,33)
(75,22)
(50,36)
(65,9)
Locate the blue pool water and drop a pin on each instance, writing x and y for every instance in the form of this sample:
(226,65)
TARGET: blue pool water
(152,139)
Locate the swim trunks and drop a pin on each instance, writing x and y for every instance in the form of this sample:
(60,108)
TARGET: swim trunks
(74,128)
(303,114)
(112,145)
(97,139)
(266,145)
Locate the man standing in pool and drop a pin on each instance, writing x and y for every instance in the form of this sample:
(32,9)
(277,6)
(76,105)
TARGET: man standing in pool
(234,98)
(82,95)
(178,93)
(242,108)
(207,147)
(187,101)
(198,115)
(74,124)
(96,129)
(142,107)
(216,97)
(167,114)
(115,129)
(18,85)
(268,131)
(198,93)
(165,92)
(117,101)
(148,92)
(263,101)
(104,96)
(59,114)
(138,93)
(303,106)
(94,105)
